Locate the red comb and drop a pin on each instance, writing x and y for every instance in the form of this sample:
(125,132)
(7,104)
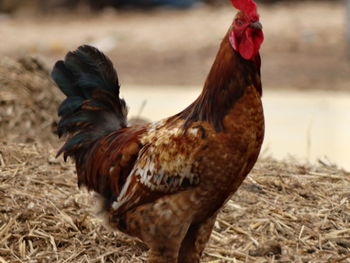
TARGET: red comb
(246,6)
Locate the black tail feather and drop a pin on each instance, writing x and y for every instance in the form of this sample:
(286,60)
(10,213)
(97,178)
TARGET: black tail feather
(92,108)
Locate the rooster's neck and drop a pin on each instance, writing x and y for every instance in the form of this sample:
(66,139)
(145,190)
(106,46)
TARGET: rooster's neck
(227,81)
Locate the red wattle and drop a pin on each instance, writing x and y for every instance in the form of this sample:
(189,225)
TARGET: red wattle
(246,46)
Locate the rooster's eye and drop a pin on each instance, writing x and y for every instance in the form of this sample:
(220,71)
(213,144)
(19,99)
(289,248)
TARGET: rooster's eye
(239,22)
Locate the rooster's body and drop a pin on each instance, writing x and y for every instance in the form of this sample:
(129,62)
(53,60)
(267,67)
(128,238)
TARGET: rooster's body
(163,182)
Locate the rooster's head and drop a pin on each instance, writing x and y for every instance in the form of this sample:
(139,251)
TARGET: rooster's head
(246,35)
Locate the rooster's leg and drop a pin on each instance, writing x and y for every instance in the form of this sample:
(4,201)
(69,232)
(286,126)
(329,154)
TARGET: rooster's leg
(195,240)
(162,255)
(161,226)
(164,247)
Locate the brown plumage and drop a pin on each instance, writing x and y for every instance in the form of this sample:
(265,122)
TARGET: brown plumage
(165,182)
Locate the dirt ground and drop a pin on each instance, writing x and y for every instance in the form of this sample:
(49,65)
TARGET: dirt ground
(304,47)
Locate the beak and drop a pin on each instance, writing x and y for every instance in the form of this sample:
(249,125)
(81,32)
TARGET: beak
(256,25)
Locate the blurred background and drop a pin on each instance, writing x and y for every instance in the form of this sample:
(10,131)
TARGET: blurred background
(163,50)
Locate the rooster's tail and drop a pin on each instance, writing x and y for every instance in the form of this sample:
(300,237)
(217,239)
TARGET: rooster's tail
(92,108)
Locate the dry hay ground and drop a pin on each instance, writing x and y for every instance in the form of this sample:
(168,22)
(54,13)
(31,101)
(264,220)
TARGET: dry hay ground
(285,212)
(28,101)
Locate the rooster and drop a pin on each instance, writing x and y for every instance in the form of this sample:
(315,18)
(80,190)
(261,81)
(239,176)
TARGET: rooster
(165,182)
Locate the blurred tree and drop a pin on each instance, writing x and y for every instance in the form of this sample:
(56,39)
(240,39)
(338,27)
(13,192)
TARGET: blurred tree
(347,3)
(152,3)
(10,6)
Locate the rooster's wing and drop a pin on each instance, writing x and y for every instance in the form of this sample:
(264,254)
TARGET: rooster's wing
(165,165)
